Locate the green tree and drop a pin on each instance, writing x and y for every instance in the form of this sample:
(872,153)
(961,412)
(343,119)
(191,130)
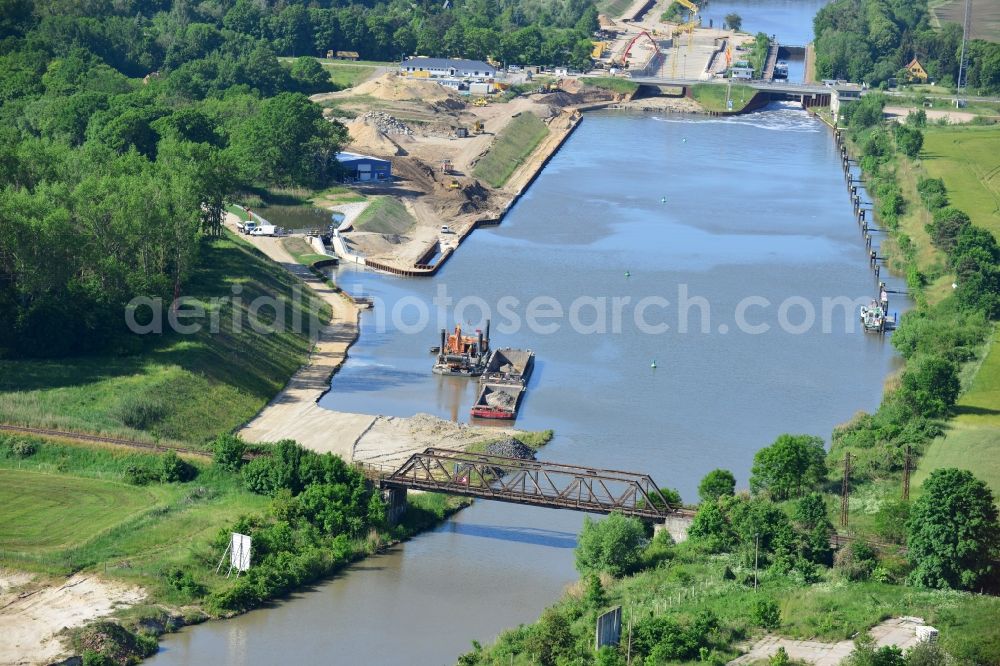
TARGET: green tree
(909,140)
(612,545)
(948,223)
(734,21)
(954,537)
(310,75)
(811,517)
(789,467)
(716,483)
(930,385)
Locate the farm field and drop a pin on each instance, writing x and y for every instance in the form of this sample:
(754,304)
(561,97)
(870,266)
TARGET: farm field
(985,16)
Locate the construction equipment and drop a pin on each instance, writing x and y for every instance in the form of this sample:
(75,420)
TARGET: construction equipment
(480,101)
(598,50)
(477,127)
(624,59)
(454,184)
(446,166)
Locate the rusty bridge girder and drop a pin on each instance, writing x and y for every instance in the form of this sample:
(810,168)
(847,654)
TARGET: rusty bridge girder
(531,482)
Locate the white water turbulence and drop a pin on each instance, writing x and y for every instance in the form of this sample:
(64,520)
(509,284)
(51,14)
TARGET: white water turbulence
(776,117)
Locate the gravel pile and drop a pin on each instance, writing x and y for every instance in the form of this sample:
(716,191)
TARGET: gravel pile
(386,123)
(501,400)
(511,448)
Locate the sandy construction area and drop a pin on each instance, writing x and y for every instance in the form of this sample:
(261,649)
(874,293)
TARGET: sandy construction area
(32,613)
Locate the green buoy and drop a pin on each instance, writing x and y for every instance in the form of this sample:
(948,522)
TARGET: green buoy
(627,274)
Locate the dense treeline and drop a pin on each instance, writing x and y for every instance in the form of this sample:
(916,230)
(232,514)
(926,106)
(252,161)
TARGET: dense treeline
(109,182)
(873,40)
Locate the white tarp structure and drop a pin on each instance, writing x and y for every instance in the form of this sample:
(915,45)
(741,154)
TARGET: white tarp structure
(239,552)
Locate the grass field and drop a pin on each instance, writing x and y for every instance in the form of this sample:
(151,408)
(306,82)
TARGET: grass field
(510,148)
(44,512)
(985,16)
(712,96)
(159,390)
(385,215)
(301,251)
(968,160)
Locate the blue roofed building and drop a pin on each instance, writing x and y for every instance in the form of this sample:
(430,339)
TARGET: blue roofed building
(364,168)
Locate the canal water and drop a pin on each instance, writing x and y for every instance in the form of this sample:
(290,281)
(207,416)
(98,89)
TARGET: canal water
(755,208)
(749,214)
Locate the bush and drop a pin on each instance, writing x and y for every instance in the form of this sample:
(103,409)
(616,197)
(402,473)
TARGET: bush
(612,545)
(138,475)
(710,529)
(174,469)
(933,193)
(108,642)
(23,448)
(765,613)
(184,582)
(228,452)
(855,561)
(909,140)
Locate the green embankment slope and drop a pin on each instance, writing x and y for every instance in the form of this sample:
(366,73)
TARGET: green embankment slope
(172,387)
(712,96)
(510,148)
(385,215)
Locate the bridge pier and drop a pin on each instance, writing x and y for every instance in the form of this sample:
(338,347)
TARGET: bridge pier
(395,504)
(676,525)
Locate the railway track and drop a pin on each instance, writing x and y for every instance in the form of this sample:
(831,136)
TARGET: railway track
(101,439)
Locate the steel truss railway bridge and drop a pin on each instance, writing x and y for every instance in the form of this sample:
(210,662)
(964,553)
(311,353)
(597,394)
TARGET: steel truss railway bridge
(531,482)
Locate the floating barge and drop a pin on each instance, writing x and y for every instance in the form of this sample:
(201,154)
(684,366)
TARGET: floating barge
(509,366)
(503,383)
(462,355)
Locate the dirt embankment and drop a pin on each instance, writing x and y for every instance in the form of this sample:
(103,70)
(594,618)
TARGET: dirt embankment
(33,612)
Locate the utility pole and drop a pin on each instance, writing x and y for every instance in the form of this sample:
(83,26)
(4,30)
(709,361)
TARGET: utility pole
(756,551)
(845,490)
(906,474)
(966,26)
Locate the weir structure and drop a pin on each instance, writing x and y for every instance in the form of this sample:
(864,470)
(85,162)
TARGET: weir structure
(531,482)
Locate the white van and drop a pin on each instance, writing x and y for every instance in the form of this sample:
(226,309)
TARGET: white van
(265,230)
